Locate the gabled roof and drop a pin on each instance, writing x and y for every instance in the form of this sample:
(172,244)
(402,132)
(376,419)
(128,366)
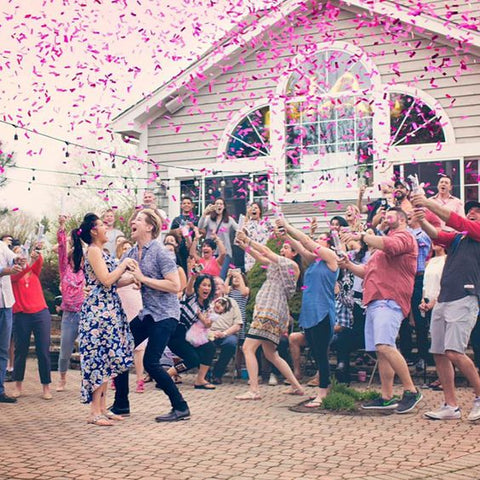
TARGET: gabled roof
(249,33)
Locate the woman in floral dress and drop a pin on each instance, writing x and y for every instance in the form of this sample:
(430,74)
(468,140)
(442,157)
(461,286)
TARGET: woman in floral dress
(271,313)
(106,344)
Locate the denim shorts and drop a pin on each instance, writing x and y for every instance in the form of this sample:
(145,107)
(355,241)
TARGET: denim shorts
(383,320)
(452,323)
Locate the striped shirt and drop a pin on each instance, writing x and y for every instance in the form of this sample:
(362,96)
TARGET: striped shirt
(189,308)
(242,301)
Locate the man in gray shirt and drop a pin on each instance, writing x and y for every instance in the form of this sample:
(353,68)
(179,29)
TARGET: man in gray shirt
(157,273)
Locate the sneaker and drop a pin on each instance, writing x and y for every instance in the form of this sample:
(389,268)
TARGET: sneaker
(408,401)
(140,386)
(9,376)
(475,412)
(445,412)
(381,404)
(272,381)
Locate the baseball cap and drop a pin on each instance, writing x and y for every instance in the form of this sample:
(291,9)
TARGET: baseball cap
(470,205)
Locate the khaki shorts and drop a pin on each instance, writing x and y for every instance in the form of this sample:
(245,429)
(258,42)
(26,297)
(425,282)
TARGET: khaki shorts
(452,323)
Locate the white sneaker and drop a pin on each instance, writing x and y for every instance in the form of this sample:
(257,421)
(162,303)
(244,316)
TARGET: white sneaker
(475,412)
(446,412)
(272,381)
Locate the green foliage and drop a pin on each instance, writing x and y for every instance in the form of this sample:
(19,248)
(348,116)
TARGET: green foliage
(338,401)
(50,280)
(344,398)
(6,160)
(256,277)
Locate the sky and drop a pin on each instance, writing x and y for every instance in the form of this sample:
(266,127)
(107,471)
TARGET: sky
(68,67)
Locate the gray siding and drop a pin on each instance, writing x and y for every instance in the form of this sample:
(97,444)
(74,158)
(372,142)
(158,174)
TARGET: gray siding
(192,134)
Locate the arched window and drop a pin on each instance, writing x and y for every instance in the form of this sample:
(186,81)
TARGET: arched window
(329,120)
(413,122)
(251,136)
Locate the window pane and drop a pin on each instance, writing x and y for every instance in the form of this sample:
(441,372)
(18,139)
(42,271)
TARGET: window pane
(412,122)
(250,138)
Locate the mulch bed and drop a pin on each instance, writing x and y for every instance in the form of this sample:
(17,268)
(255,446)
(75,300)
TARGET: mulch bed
(359,412)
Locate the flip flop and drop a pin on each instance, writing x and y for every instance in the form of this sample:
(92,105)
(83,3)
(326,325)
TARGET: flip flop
(205,386)
(313,404)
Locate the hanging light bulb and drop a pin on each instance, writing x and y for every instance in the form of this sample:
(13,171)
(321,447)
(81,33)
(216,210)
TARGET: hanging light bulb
(196,183)
(15,135)
(67,154)
(222,183)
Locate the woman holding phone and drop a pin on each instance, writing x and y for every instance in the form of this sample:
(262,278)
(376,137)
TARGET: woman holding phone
(271,313)
(216,221)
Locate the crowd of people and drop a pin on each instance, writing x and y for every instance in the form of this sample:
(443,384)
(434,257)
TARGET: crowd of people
(167,303)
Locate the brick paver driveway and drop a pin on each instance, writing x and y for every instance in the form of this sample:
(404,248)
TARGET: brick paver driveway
(227,439)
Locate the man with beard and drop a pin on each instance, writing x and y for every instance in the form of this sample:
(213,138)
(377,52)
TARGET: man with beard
(182,227)
(400,196)
(395,256)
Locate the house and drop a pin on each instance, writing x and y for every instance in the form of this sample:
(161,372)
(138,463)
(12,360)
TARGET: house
(303,103)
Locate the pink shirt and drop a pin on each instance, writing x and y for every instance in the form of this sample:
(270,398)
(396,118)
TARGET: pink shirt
(390,273)
(452,203)
(71,283)
(211,266)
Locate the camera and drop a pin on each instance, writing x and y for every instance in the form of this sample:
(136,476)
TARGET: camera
(383,202)
(197,268)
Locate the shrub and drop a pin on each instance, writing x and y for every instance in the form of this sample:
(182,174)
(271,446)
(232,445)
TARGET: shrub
(338,401)
(343,398)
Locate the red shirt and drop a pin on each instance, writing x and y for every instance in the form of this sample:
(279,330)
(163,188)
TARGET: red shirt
(210,267)
(390,273)
(27,290)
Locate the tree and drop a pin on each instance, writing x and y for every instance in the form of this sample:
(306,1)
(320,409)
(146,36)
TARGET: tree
(6,160)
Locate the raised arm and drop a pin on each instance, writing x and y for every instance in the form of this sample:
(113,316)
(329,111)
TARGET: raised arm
(256,250)
(362,208)
(222,251)
(313,249)
(193,247)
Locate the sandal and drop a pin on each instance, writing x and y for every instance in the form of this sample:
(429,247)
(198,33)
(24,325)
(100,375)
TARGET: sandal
(436,385)
(113,416)
(205,386)
(100,421)
(249,396)
(313,404)
(294,391)
(313,382)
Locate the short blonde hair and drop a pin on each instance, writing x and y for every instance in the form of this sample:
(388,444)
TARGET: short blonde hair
(153,219)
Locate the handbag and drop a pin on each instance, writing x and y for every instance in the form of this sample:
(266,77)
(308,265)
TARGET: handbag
(197,334)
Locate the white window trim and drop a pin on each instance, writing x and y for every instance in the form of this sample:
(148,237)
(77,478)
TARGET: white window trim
(232,124)
(277,119)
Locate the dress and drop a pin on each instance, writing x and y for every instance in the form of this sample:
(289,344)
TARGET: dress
(271,313)
(106,343)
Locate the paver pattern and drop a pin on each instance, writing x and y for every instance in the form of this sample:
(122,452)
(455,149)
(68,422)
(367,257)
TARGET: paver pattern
(229,440)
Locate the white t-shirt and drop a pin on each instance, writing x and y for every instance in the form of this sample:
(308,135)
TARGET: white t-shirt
(6,293)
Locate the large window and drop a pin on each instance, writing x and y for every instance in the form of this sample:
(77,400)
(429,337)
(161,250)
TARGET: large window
(472,179)
(251,136)
(412,122)
(328,121)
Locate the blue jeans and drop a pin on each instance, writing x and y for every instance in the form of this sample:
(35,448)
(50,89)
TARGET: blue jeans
(70,321)
(5,334)
(227,346)
(40,324)
(158,334)
(225,266)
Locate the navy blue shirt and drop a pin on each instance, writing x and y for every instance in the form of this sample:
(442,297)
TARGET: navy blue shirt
(156,262)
